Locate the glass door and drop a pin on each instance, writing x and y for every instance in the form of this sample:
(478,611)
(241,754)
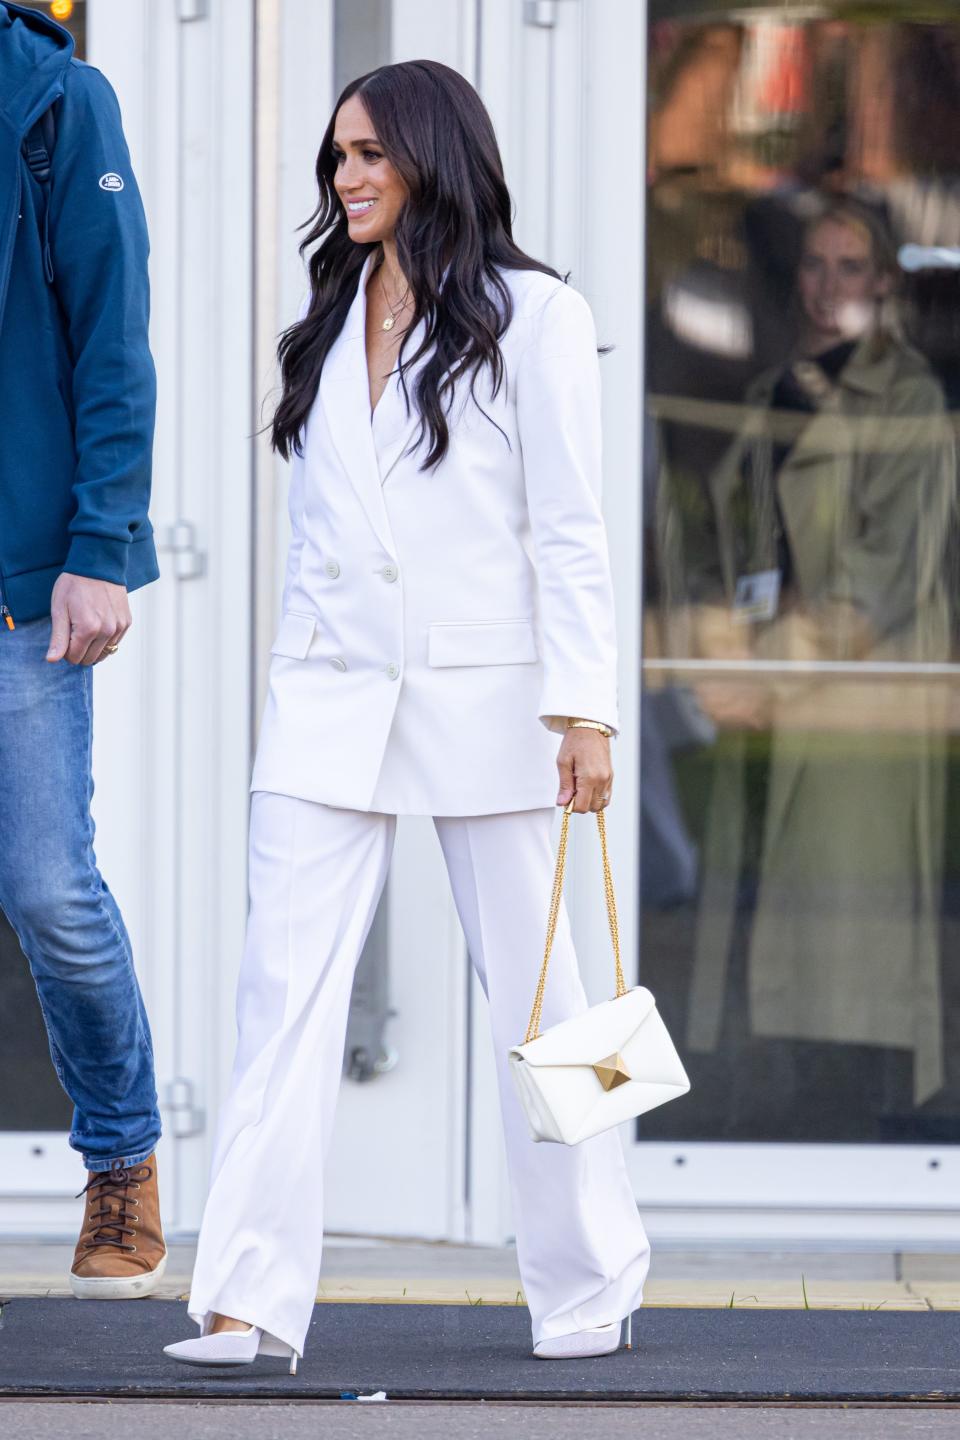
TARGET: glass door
(800,765)
(34,1112)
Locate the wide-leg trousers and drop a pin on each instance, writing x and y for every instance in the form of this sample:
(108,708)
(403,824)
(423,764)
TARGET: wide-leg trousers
(316,875)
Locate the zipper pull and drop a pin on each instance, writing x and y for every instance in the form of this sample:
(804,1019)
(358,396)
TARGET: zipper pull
(7,617)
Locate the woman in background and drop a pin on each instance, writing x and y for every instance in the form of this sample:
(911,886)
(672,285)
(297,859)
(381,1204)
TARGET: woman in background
(833,511)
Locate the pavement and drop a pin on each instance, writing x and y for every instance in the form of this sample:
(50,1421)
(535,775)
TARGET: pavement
(413,1272)
(403,1272)
(346,1420)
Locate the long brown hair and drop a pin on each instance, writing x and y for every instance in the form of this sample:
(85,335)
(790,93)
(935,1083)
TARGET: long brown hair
(436,133)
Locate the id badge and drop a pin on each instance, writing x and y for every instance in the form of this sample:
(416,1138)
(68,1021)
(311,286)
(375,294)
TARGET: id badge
(756,597)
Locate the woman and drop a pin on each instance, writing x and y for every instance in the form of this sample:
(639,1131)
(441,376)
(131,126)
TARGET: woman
(447,614)
(833,516)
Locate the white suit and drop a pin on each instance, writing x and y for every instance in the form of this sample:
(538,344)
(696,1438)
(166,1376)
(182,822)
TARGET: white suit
(437,629)
(430,618)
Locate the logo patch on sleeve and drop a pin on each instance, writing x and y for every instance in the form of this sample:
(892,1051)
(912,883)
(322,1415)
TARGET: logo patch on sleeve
(111,181)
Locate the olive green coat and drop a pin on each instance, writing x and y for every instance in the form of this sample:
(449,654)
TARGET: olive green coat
(845,938)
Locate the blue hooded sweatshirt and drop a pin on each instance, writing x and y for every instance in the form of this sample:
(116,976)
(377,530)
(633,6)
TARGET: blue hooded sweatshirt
(77,384)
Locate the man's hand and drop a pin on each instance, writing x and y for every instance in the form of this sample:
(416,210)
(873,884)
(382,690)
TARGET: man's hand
(744,704)
(585,770)
(88,615)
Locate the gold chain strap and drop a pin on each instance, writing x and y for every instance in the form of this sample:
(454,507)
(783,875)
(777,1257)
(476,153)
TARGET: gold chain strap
(533,1029)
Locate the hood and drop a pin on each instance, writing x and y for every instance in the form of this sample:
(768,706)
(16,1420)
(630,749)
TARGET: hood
(34,52)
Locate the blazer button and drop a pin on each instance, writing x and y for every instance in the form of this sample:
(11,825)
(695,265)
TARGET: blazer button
(393,671)
(338,663)
(390,572)
(332,569)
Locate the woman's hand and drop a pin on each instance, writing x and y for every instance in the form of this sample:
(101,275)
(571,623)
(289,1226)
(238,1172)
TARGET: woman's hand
(585,770)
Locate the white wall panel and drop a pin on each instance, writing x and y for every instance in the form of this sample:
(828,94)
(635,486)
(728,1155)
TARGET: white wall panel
(172,747)
(447,32)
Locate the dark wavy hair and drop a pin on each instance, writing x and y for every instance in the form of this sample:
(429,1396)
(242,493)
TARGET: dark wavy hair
(435,131)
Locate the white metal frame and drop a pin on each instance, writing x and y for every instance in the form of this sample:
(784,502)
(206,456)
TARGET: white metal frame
(591,218)
(40,1173)
(418,1152)
(874,1195)
(172,742)
(397,1159)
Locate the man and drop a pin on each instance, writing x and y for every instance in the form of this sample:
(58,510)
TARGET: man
(77,396)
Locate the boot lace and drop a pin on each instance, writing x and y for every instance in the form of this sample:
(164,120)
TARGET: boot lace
(109,1226)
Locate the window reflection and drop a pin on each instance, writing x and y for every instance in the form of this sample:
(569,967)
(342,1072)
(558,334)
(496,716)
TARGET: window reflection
(71,14)
(30,1096)
(801,630)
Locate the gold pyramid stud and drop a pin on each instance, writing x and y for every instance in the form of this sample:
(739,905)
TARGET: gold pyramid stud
(612,1071)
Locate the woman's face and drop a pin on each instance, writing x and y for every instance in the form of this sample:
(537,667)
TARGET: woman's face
(839,282)
(370,190)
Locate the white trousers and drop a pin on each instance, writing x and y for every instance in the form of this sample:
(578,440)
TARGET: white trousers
(316,874)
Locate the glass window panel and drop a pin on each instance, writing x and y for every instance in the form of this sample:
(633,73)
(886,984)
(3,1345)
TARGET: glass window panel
(361,38)
(30,1094)
(71,14)
(800,775)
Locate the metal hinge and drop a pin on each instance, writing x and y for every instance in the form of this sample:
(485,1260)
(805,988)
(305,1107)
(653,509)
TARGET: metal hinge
(193,9)
(186,1117)
(180,539)
(542,13)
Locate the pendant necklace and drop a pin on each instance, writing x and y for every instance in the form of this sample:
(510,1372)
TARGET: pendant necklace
(395,311)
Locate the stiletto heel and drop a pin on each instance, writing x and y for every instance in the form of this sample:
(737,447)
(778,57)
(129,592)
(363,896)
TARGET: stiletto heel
(269,1346)
(626,1336)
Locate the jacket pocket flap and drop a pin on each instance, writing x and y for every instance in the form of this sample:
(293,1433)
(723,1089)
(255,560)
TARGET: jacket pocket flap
(294,636)
(481,642)
(593,1035)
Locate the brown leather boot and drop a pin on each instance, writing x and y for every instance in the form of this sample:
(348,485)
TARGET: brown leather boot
(120,1254)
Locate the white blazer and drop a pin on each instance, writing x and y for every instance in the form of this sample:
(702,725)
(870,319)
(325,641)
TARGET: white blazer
(438,627)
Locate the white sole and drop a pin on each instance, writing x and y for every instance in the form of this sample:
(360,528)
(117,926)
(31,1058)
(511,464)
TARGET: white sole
(220,1364)
(594,1344)
(110,1287)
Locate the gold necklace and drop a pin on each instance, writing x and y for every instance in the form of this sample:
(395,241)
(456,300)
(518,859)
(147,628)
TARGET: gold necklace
(391,319)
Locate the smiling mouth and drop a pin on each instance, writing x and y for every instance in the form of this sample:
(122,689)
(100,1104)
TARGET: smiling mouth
(359,207)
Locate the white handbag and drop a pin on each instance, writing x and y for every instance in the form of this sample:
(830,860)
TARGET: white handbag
(611,1063)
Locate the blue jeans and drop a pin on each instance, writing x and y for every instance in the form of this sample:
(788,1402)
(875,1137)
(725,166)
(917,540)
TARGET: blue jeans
(67,921)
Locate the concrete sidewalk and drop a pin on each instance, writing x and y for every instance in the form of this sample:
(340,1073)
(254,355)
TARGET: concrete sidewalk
(412,1272)
(438,1421)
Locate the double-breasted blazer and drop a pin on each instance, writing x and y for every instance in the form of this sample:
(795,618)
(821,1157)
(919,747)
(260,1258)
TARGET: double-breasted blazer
(439,626)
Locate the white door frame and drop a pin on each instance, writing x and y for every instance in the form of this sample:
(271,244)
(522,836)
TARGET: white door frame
(40,1172)
(172,736)
(196,96)
(396,1165)
(874,1195)
(689,1193)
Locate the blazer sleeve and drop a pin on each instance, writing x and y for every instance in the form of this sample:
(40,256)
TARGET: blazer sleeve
(295,503)
(894,562)
(558,418)
(98,238)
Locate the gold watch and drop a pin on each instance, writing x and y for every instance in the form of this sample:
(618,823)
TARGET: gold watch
(589,725)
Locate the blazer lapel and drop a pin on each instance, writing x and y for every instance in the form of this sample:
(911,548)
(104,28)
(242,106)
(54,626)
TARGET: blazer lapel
(345,397)
(393,428)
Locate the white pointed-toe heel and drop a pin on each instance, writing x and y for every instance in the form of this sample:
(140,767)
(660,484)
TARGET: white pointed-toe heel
(230,1347)
(582,1344)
